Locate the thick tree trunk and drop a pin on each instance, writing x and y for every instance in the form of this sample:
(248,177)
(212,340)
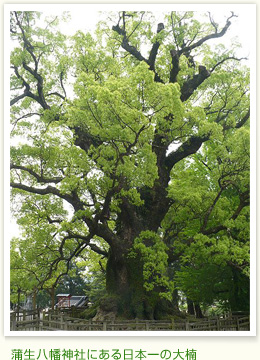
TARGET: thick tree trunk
(124,282)
(126,295)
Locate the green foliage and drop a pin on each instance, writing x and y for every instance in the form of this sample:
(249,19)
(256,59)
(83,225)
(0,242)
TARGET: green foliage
(134,143)
(152,251)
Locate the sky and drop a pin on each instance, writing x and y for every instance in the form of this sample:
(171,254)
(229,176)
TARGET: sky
(85,17)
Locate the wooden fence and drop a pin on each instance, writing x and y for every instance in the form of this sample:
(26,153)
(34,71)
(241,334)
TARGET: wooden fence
(51,321)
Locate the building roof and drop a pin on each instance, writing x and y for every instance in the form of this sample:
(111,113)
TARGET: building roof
(77,301)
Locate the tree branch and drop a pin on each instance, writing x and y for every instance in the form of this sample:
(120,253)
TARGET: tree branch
(125,44)
(39,178)
(27,45)
(191,146)
(155,48)
(34,72)
(97,250)
(133,51)
(38,77)
(175,66)
(56,94)
(50,190)
(191,85)
(243,120)
(244,201)
(206,218)
(225,59)
(27,91)
(53,221)
(62,86)
(208,37)
(17,98)
(215,25)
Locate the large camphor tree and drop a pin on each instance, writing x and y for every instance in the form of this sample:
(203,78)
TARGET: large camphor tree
(133,143)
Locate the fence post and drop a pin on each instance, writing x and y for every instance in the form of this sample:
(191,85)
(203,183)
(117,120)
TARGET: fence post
(43,315)
(39,319)
(147,325)
(238,327)
(13,321)
(61,321)
(187,326)
(50,319)
(40,322)
(218,324)
(37,324)
(65,326)
(104,326)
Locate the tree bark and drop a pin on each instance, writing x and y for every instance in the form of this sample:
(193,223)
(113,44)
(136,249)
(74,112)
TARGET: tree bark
(198,311)
(127,296)
(190,306)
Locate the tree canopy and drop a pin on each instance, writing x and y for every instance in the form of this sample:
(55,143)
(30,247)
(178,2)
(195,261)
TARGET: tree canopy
(132,144)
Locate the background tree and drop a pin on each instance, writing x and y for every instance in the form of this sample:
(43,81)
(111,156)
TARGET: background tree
(150,153)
